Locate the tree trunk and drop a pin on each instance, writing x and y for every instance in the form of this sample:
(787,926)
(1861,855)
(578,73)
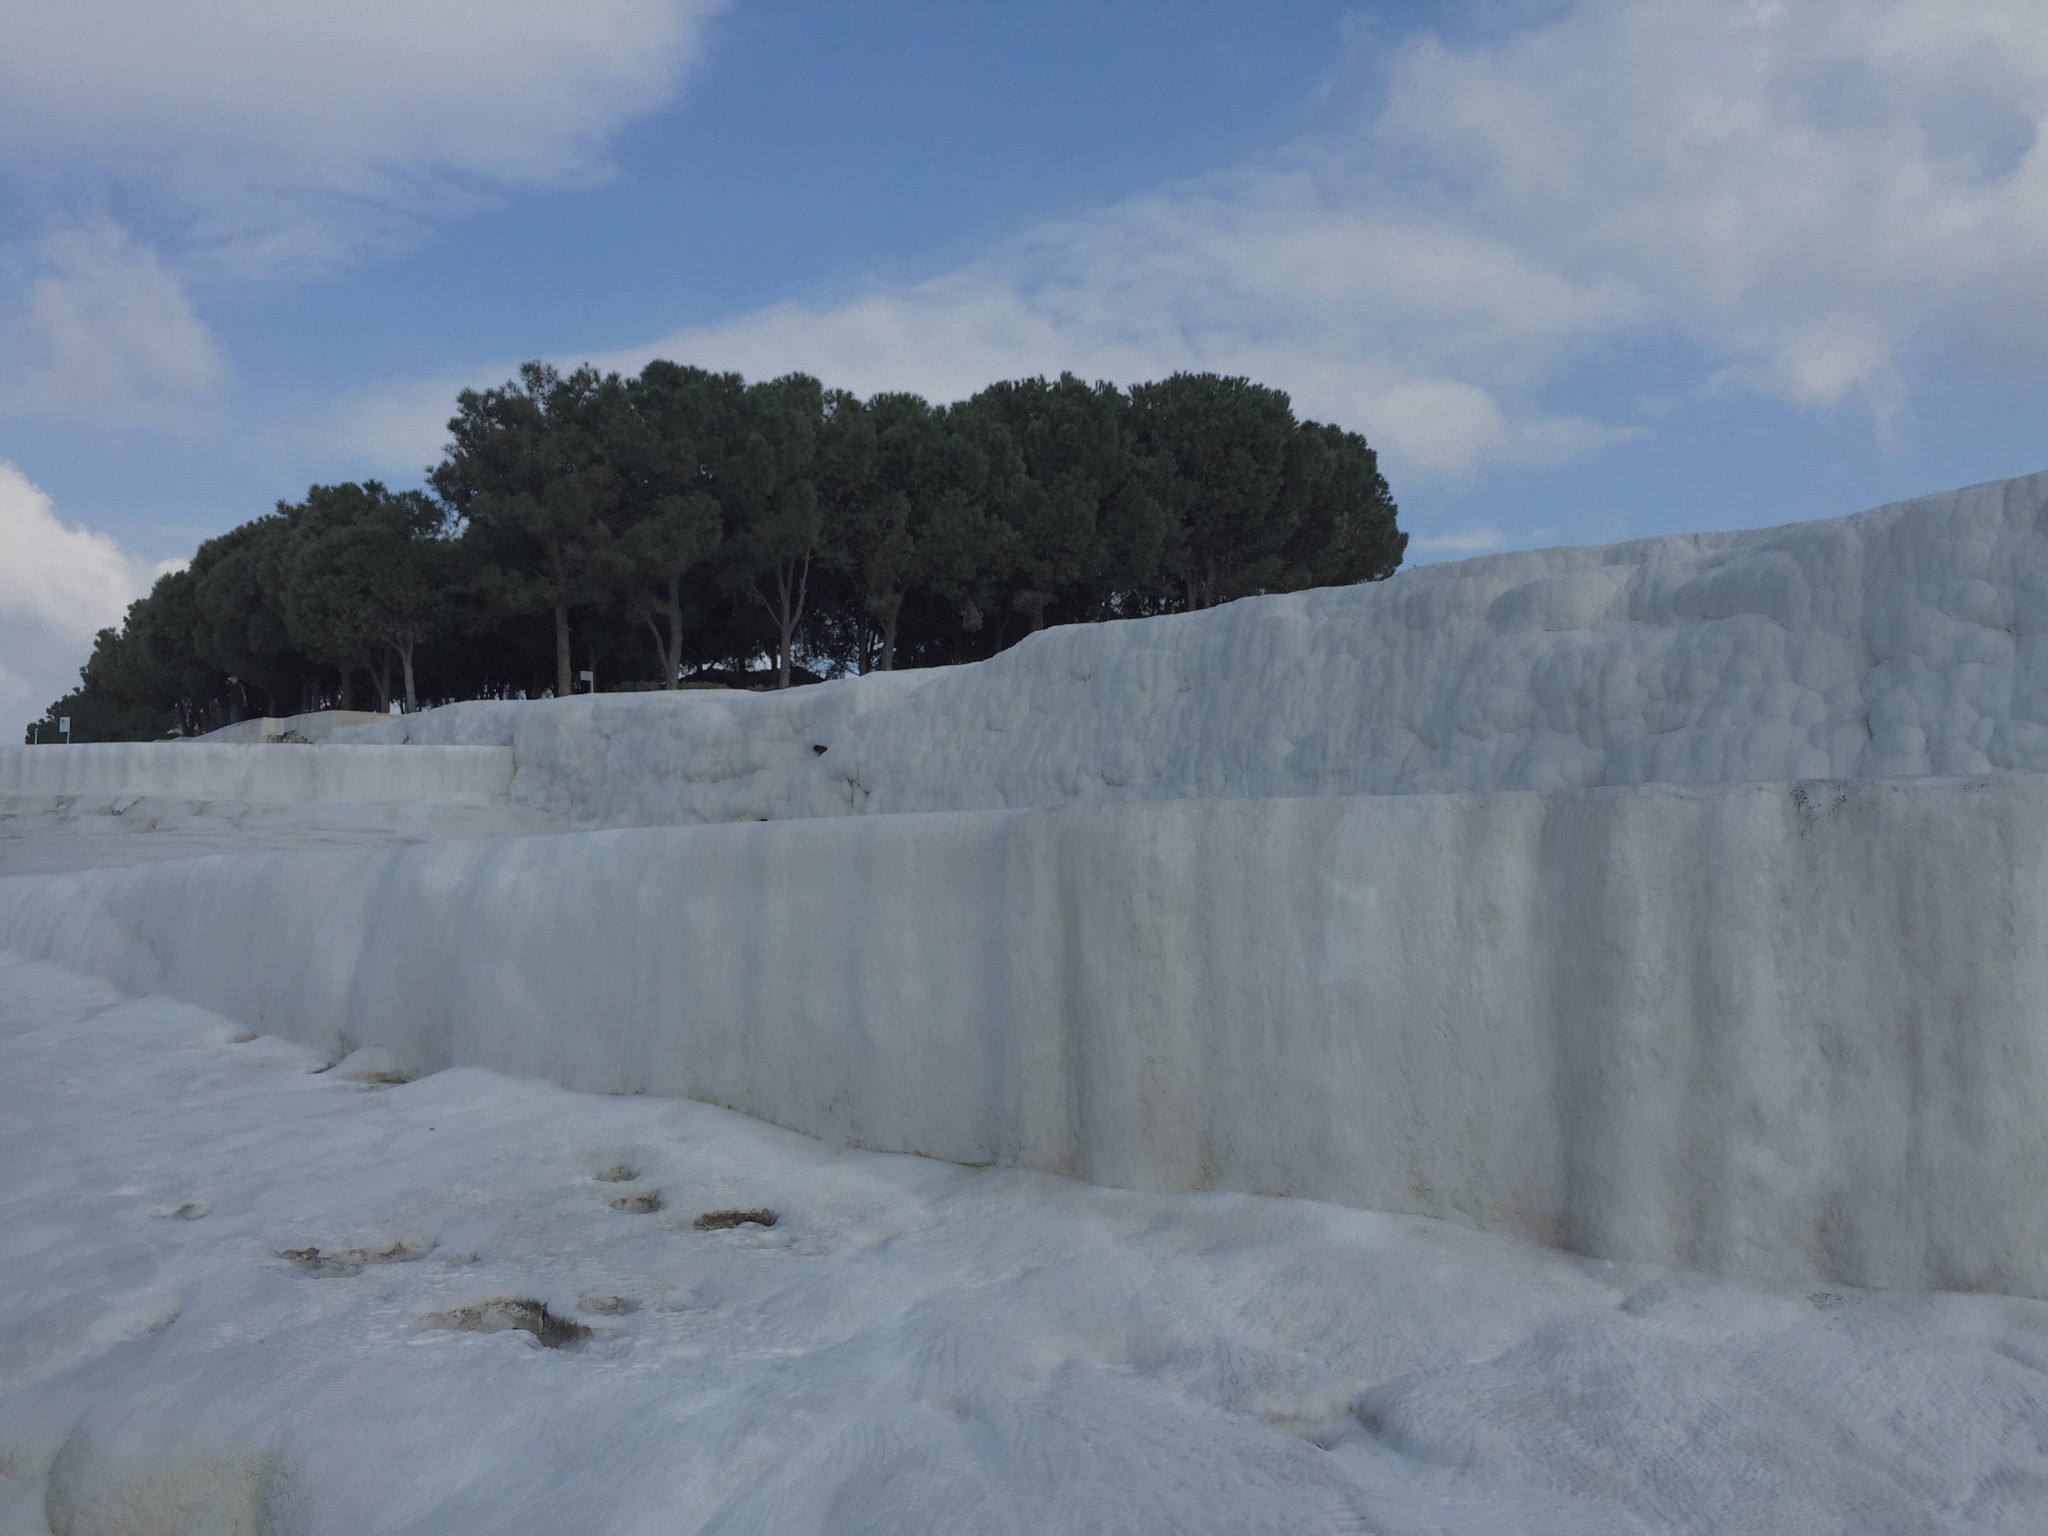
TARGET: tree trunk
(785,628)
(889,642)
(675,631)
(558,574)
(660,646)
(380,679)
(412,701)
(791,582)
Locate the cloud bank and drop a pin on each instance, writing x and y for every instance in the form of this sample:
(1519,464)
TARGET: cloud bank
(1805,198)
(267,141)
(59,586)
(284,133)
(105,335)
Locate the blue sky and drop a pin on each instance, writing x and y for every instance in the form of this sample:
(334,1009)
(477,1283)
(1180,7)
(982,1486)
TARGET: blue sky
(1582,270)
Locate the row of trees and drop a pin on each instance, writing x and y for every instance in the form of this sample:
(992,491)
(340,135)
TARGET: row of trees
(687,523)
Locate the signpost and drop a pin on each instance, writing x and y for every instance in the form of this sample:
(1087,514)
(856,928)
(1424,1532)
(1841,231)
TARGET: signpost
(64,725)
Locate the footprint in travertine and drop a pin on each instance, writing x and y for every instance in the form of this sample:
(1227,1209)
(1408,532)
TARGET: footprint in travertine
(720,1221)
(523,1313)
(617,1173)
(607,1306)
(639,1202)
(351,1261)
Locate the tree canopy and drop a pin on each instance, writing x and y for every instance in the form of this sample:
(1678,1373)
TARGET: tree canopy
(686,525)
(363,578)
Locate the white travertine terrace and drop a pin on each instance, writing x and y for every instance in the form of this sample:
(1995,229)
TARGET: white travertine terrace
(264,775)
(1908,641)
(1682,901)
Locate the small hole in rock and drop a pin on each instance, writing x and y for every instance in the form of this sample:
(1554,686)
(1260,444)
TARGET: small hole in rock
(527,1315)
(815,747)
(719,1221)
(641,1202)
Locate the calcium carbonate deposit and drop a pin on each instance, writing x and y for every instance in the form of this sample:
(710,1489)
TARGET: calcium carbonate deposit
(1912,640)
(1631,964)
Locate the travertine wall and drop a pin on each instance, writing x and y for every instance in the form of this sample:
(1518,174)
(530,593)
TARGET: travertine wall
(1794,1029)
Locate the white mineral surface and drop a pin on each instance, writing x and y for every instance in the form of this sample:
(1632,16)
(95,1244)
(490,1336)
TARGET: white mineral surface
(246,1295)
(1785,1030)
(47,834)
(1909,640)
(1683,904)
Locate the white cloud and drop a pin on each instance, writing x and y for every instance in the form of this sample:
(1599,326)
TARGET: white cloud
(107,335)
(1805,194)
(1480,540)
(59,586)
(1810,190)
(270,141)
(284,134)
(1413,331)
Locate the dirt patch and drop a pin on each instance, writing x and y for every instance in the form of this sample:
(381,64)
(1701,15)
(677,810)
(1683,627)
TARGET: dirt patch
(351,1261)
(719,1221)
(522,1313)
(641,1202)
(608,1306)
(618,1173)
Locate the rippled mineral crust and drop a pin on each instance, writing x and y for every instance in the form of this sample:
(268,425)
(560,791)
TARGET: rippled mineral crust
(1911,640)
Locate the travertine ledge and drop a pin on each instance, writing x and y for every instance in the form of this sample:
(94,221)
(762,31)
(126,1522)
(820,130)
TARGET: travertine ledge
(1790,1029)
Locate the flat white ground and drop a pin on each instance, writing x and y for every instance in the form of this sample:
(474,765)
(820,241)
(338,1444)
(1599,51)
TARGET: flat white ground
(912,1347)
(47,834)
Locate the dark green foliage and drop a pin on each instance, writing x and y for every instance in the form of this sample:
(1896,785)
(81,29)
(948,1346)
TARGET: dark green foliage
(1089,526)
(664,447)
(362,576)
(1255,501)
(726,523)
(238,620)
(766,488)
(1341,512)
(527,470)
